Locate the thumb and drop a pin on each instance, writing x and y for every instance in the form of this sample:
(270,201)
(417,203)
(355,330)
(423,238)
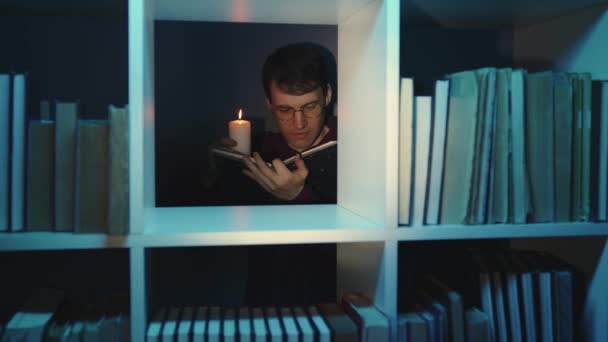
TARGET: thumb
(301,166)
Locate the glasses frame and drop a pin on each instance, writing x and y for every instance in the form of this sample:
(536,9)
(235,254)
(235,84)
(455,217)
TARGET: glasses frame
(320,103)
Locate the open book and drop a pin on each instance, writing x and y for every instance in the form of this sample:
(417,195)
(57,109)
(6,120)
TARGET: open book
(319,152)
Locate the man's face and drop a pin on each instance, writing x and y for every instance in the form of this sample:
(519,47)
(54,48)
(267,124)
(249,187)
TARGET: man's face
(302,127)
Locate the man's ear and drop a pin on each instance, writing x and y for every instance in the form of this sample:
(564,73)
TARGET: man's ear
(268,104)
(328,94)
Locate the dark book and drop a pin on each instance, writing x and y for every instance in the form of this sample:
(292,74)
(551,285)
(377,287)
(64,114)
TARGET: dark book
(66,118)
(372,323)
(5,81)
(118,206)
(343,329)
(476,325)
(92,177)
(234,188)
(453,301)
(39,199)
(311,156)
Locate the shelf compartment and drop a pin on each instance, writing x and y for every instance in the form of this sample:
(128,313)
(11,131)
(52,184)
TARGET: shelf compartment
(255,225)
(495,231)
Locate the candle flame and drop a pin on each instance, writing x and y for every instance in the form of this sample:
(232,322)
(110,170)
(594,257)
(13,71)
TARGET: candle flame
(240,114)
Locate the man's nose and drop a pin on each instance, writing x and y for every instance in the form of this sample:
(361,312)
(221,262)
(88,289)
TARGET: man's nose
(299,120)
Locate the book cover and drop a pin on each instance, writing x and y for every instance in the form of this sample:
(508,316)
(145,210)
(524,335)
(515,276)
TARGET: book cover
(372,323)
(66,119)
(4,151)
(599,157)
(118,191)
(519,180)
(343,329)
(18,135)
(423,121)
(40,156)
(460,147)
(540,144)
(499,210)
(406,149)
(92,177)
(563,146)
(440,120)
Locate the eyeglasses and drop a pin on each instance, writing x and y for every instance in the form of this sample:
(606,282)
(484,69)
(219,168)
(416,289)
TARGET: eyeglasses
(310,110)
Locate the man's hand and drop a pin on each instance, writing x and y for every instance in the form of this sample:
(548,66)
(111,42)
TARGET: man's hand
(278,180)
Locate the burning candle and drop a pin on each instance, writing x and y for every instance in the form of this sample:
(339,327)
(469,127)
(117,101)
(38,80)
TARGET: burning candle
(240,131)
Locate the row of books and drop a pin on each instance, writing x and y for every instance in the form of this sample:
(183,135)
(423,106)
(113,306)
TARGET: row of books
(504,296)
(60,172)
(47,316)
(355,319)
(504,146)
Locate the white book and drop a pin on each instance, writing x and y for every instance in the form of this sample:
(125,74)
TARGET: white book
(153,334)
(519,200)
(321,327)
(214,322)
(170,326)
(259,325)
(18,153)
(29,323)
(291,329)
(199,325)
(586,157)
(406,148)
(423,132)
(185,325)
(4,150)
(602,214)
(229,326)
(440,121)
(244,325)
(308,334)
(274,325)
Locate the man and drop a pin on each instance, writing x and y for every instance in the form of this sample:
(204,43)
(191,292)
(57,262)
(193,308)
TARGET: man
(295,80)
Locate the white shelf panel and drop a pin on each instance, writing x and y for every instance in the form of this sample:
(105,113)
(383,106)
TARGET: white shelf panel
(253,225)
(53,240)
(328,12)
(459,232)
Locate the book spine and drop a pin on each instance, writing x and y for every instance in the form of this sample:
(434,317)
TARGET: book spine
(18,153)
(4,151)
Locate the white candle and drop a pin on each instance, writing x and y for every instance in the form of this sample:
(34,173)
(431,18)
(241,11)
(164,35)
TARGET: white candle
(240,131)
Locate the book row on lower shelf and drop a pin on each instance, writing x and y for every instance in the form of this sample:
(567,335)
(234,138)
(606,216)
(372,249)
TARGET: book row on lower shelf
(504,146)
(48,316)
(61,172)
(355,319)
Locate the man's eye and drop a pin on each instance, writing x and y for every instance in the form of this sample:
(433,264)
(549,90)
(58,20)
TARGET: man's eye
(285,109)
(311,106)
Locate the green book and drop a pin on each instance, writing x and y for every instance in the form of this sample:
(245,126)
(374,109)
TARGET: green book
(39,200)
(92,177)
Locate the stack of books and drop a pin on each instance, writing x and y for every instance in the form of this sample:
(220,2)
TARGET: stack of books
(504,146)
(60,172)
(503,296)
(355,319)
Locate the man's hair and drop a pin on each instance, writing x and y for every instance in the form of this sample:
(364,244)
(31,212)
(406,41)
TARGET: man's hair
(296,69)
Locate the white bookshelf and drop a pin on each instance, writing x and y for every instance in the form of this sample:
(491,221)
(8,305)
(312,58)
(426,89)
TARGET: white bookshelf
(364,221)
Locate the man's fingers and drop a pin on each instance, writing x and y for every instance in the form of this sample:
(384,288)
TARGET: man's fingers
(227,142)
(301,169)
(263,167)
(262,181)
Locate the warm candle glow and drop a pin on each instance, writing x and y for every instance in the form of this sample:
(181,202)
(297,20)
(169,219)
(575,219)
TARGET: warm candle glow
(240,131)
